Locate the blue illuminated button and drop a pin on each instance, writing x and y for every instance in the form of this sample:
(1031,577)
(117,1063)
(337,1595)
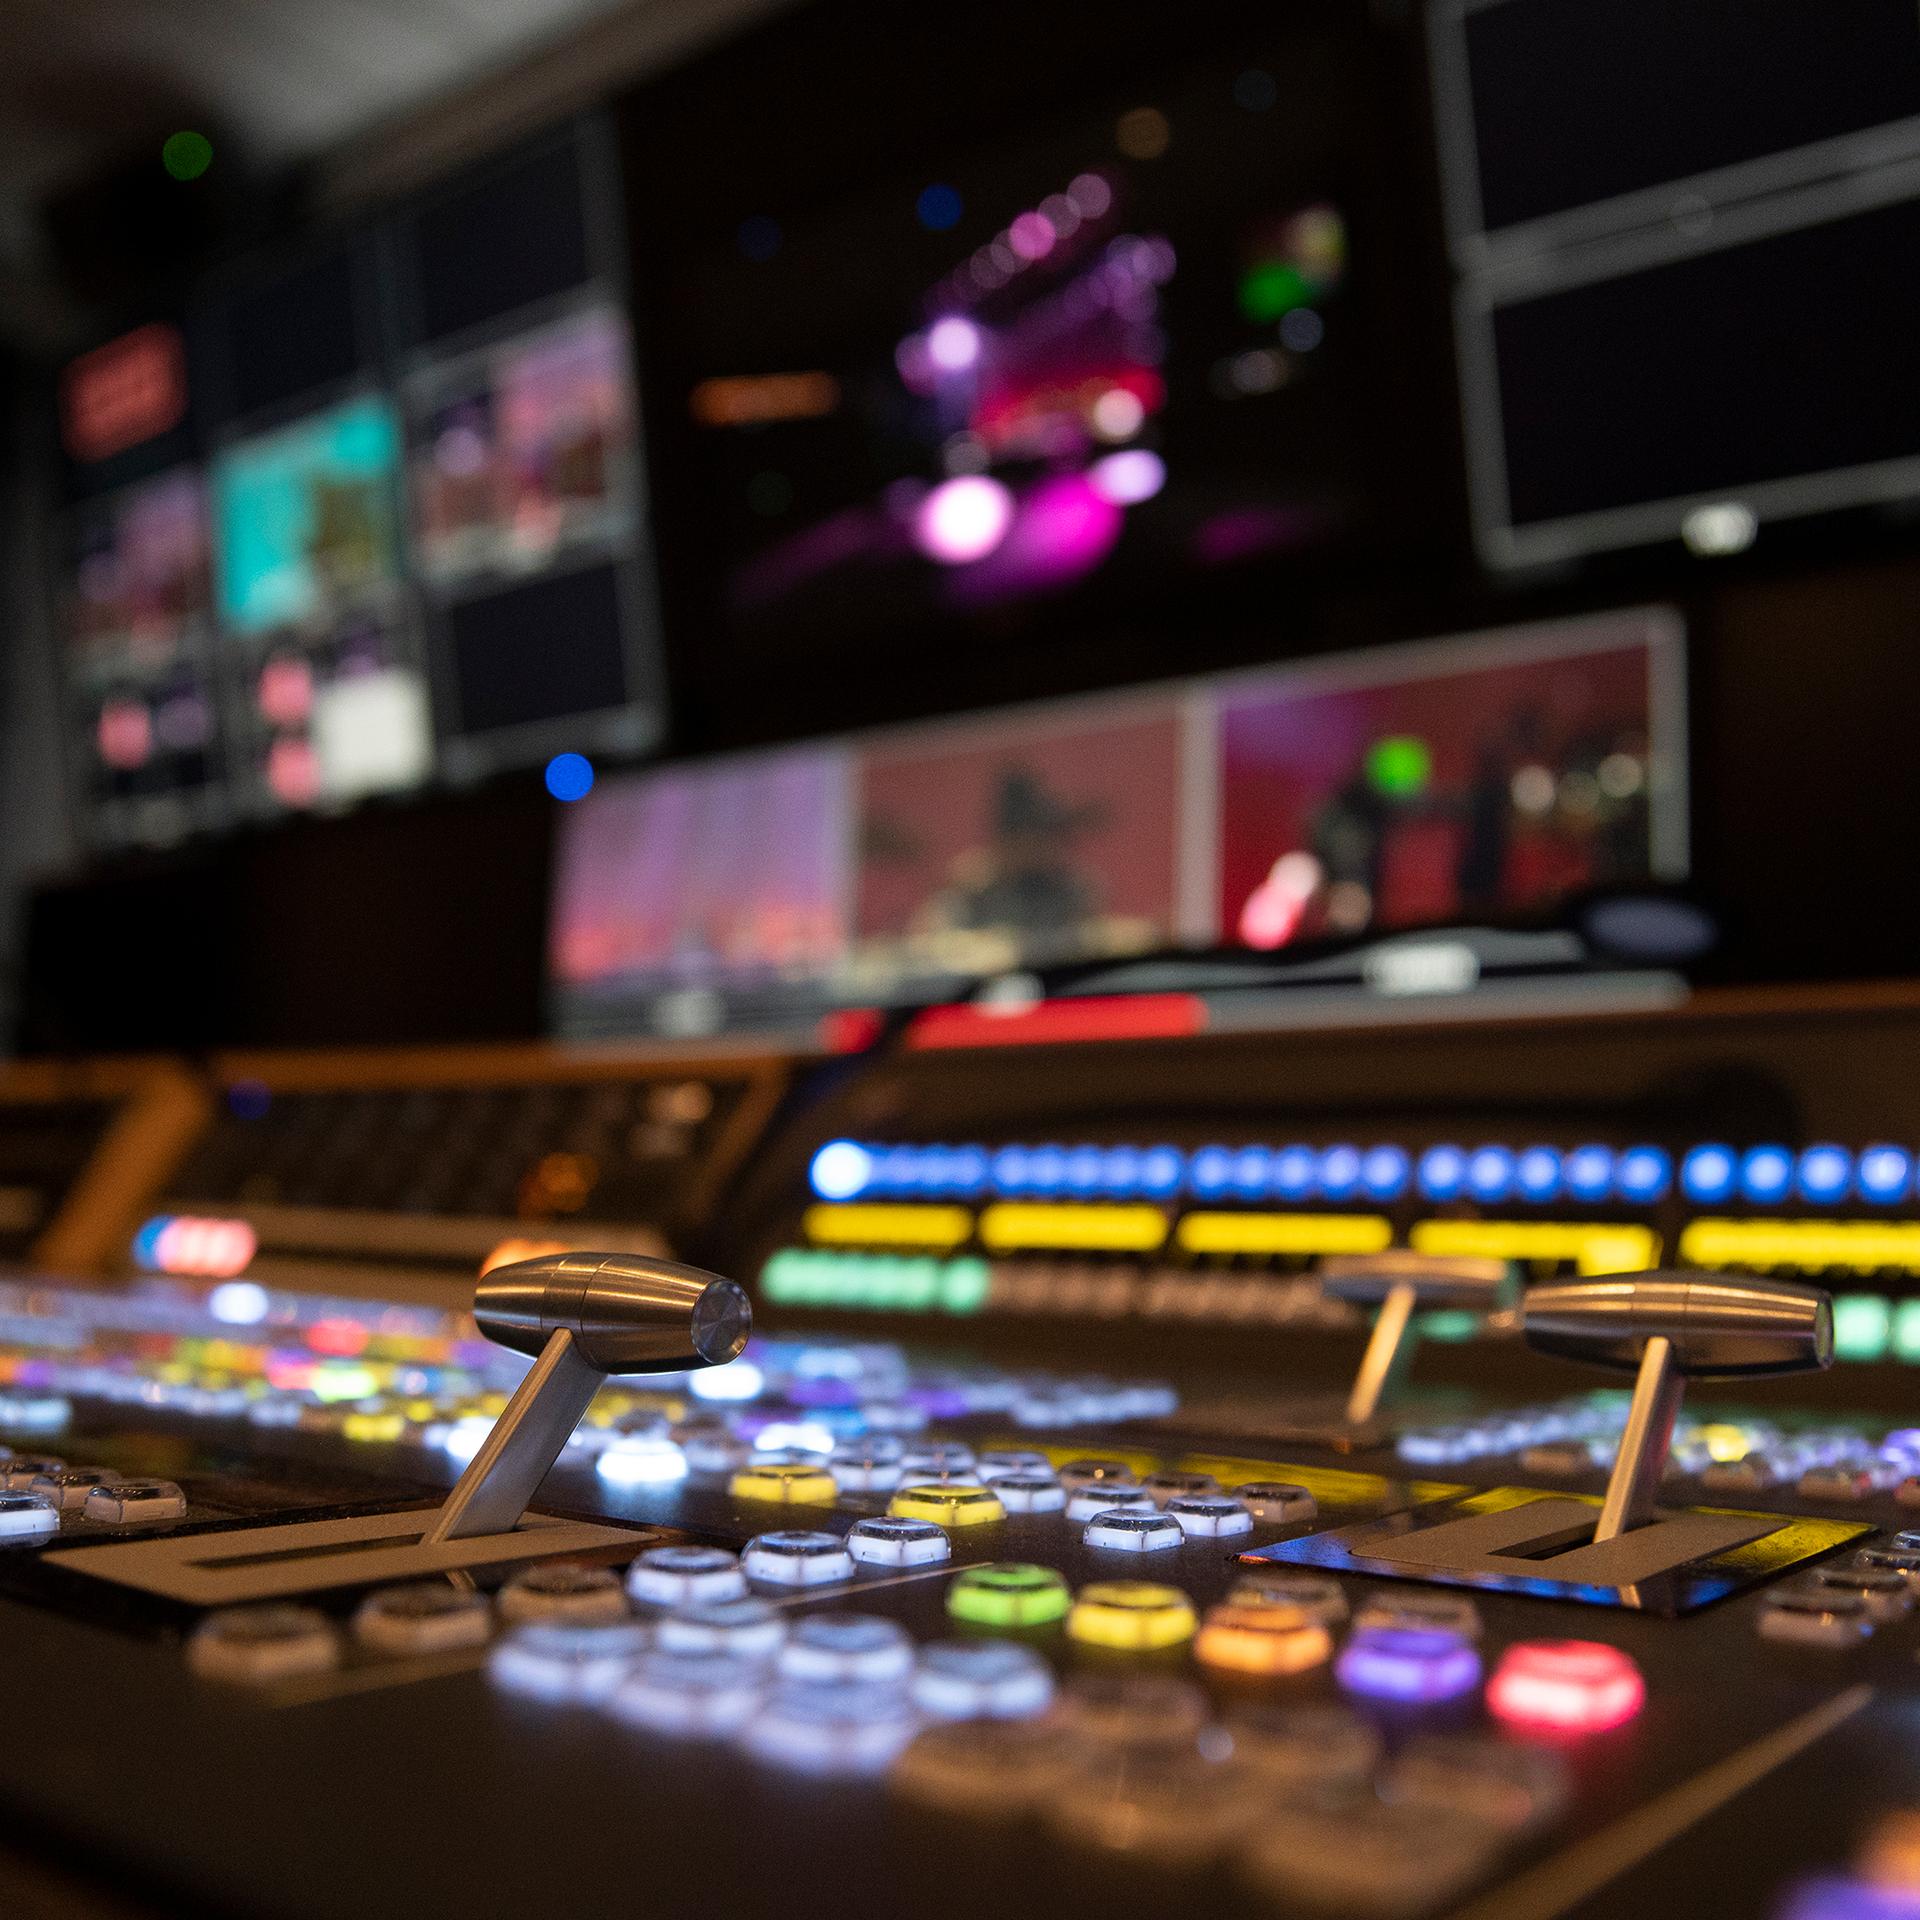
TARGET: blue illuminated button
(1340,1172)
(981,1680)
(1407,1663)
(1490,1173)
(1589,1173)
(1443,1173)
(1120,1170)
(1826,1172)
(1047,1169)
(569,776)
(690,1694)
(1537,1174)
(1765,1174)
(841,1169)
(1644,1175)
(967,1171)
(1384,1172)
(1086,1169)
(1211,1172)
(1296,1173)
(1707,1174)
(1252,1167)
(1161,1171)
(1009,1172)
(899,1169)
(1886,1174)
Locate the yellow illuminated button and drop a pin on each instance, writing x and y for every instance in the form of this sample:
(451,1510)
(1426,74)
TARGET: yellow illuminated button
(797,1486)
(1246,1637)
(947,1503)
(1133,1615)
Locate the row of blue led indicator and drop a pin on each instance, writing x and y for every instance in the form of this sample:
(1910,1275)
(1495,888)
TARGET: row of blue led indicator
(1709,1174)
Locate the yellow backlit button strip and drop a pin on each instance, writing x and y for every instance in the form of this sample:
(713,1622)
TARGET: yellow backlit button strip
(1594,1247)
(1013,1226)
(881,1226)
(1284,1233)
(1859,1246)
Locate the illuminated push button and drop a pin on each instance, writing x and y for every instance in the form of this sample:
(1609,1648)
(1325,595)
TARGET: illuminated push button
(933,1461)
(981,1680)
(1176,1805)
(1114,1496)
(1087,1473)
(1029,1492)
(1565,1686)
(1442,1612)
(422,1618)
(846,1647)
(789,1483)
(1419,1665)
(1163,1487)
(1883,1591)
(997,1463)
(898,1543)
(68,1487)
(1291,1747)
(990,1769)
(708,1451)
(641,1460)
(1815,1616)
(1276,1502)
(1008,1593)
(1314,1594)
(1240,1637)
(689,1694)
(685,1576)
(831,1729)
(746,1629)
(865,1469)
(567,1660)
(128,1503)
(26,1516)
(797,1558)
(1133,1710)
(1505,1785)
(562,1590)
(962,1503)
(1363,1855)
(259,1644)
(1133,1532)
(1209,1517)
(1133,1616)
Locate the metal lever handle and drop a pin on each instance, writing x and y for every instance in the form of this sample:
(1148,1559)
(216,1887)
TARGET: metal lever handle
(584,1316)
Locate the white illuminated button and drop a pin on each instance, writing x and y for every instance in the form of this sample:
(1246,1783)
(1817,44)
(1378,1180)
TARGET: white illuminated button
(256,1644)
(690,1694)
(1208,1517)
(865,1469)
(846,1648)
(992,1769)
(641,1460)
(684,1576)
(126,1503)
(929,1461)
(1277,1502)
(34,1412)
(1133,1532)
(797,1557)
(1304,1746)
(68,1487)
(1432,1612)
(1504,1783)
(1815,1616)
(714,1453)
(422,1618)
(747,1629)
(26,1516)
(1162,1487)
(19,1471)
(1029,1492)
(831,1729)
(1087,1473)
(1318,1597)
(567,1660)
(898,1543)
(1113,1496)
(997,1463)
(563,1590)
(981,1679)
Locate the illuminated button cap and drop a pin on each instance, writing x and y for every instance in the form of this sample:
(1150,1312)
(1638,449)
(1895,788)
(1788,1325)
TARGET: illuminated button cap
(1318,1597)
(1565,1686)
(68,1487)
(960,1503)
(1087,1473)
(1118,1496)
(261,1644)
(1163,1487)
(846,1647)
(746,1629)
(831,1730)
(35,1412)
(1361,1854)
(1276,1502)
(1815,1616)
(934,1460)
(1008,1593)
(1304,1746)
(422,1617)
(1172,1803)
(869,1447)
(684,1576)
(709,1452)
(1209,1517)
(1133,1710)
(565,1660)
(1241,1637)
(1443,1612)
(1416,1664)
(997,1463)
(689,1694)
(1882,1590)
(787,1483)
(1133,1615)
(126,1503)
(981,1679)
(26,1516)
(797,1558)
(562,1590)
(990,1769)
(1029,1492)
(1133,1532)
(898,1543)
(864,1472)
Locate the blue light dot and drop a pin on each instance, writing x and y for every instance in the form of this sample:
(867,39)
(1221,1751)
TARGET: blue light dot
(1538,1173)
(1443,1172)
(1085,1165)
(1825,1172)
(1589,1172)
(1296,1172)
(1645,1174)
(760,237)
(841,1169)
(1707,1173)
(899,1169)
(1211,1171)
(1490,1173)
(1886,1174)
(1010,1170)
(967,1170)
(569,776)
(1120,1170)
(1384,1172)
(1340,1172)
(938,208)
(1765,1173)
(1161,1170)
(1251,1168)
(1047,1169)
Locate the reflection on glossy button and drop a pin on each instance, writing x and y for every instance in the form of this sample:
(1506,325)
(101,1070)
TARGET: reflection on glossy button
(1008,1593)
(963,1503)
(1091,1472)
(1162,1487)
(676,1576)
(566,1660)
(68,1487)
(846,1647)
(1304,1745)
(994,1769)
(424,1617)
(1364,1855)
(1174,1804)
(260,1644)
(1505,1784)
(1815,1616)
(1209,1517)
(19,1471)
(825,1729)
(987,1679)
(1133,1709)
(25,1517)
(1108,1496)
(689,1694)
(1132,1615)
(1029,1492)
(563,1590)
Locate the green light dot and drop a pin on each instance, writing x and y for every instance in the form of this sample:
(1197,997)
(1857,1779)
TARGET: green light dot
(1862,1324)
(1447,1324)
(1009,1593)
(1399,765)
(964,1285)
(1273,288)
(1906,1330)
(187,155)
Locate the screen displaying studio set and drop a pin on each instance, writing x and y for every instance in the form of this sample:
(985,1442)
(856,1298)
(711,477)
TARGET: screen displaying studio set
(960,962)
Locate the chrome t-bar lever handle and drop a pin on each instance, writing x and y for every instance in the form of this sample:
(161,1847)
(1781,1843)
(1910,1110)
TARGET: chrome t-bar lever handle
(1669,1327)
(583,1316)
(1400,1282)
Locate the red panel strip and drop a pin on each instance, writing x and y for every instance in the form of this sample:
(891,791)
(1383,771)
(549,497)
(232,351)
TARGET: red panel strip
(1141,1016)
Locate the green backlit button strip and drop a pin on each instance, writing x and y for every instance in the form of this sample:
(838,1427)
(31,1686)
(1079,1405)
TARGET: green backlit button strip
(880,1282)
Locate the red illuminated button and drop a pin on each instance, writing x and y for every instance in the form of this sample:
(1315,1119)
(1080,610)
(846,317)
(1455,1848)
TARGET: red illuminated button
(1565,1686)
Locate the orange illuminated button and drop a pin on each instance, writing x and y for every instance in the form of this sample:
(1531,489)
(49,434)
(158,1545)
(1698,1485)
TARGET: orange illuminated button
(791,1485)
(1134,1616)
(1566,1686)
(1244,1636)
(947,1503)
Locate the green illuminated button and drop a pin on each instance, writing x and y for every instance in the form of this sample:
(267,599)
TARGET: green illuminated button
(1008,1593)
(1862,1324)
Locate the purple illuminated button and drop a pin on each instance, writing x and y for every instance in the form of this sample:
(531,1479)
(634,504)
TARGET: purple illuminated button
(1419,1664)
